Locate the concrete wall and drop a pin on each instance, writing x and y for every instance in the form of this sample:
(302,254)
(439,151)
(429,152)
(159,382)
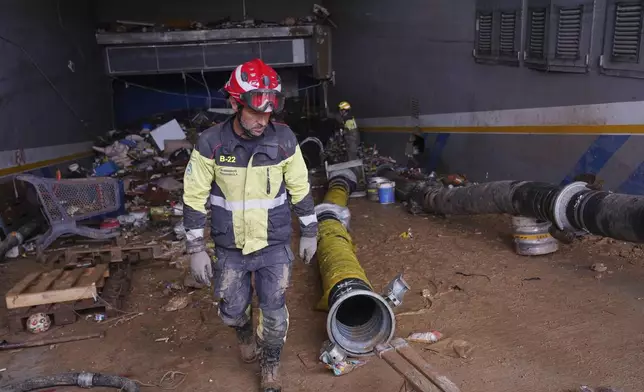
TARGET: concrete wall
(200,10)
(37,123)
(386,55)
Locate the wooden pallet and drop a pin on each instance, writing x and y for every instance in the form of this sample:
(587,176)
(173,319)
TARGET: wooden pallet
(113,294)
(419,374)
(113,254)
(59,285)
(61,313)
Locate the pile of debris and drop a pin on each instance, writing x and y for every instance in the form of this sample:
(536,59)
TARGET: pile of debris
(138,173)
(319,15)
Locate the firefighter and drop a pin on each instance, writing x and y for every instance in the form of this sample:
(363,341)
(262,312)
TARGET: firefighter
(351,133)
(250,168)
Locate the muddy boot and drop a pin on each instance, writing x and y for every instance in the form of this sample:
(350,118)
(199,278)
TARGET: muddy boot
(247,343)
(269,362)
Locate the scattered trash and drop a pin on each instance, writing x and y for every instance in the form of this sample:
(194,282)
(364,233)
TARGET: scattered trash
(4,345)
(177,303)
(585,388)
(343,367)
(168,131)
(169,184)
(468,275)
(530,279)
(599,267)
(425,337)
(171,288)
(13,252)
(164,340)
(38,322)
(99,317)
(454,180)
(179,231)
(123,319)
(413,313)
(407,234)
(29,247)
(110,225)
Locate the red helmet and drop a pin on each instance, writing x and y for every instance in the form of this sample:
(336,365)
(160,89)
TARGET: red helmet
(256,85)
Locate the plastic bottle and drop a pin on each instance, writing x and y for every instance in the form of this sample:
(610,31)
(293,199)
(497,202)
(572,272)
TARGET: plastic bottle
(425,337)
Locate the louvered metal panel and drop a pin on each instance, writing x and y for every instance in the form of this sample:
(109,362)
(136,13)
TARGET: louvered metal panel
(537,34)
(484,44)
(507,34)
(123,60)
(569,33)
(627,32)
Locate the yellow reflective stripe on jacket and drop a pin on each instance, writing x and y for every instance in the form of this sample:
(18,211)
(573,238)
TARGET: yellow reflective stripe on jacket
(197,181)
(350,124)
(296,176)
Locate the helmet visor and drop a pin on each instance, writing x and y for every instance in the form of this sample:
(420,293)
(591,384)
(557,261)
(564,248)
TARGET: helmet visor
(264,101)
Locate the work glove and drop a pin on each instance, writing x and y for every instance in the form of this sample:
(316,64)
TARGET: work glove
(308,247)
(201,267)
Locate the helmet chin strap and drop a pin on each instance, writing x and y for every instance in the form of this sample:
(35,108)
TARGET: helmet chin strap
(247,132)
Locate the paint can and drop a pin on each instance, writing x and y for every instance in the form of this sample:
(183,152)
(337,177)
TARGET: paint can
(387,192)
(532,237)
(372,187)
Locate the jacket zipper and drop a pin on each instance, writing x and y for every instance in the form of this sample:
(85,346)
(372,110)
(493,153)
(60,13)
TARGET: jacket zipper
(268,181)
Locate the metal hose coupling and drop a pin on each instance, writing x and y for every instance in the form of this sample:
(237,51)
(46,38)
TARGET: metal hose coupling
(359,319)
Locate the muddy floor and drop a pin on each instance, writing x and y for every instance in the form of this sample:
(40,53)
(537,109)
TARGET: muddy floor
(544,323)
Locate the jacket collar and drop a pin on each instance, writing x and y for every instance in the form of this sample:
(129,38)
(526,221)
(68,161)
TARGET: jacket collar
(229,141)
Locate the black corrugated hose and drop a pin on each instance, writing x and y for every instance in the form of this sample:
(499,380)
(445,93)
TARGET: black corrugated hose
(83,380)
(571,208)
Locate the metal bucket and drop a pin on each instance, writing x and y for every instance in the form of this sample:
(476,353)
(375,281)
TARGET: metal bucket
(387,192)
(532,237)
(372,187)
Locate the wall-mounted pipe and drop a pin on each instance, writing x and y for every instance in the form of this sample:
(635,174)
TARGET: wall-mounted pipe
(572,208)
(359,319)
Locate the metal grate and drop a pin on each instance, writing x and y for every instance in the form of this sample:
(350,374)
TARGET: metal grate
(76,199)
(484,43)
(569,33)
(627,32)
(507,34)
(537,37)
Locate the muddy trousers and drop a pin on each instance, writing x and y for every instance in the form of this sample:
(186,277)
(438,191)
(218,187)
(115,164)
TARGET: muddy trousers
(271,268)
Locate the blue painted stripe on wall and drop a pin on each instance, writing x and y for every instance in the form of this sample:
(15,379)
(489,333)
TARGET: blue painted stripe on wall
(596,156)
(634,184)
(437,150)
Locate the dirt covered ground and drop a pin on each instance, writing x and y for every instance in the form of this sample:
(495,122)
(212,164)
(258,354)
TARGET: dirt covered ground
(529,324)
